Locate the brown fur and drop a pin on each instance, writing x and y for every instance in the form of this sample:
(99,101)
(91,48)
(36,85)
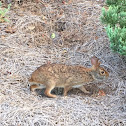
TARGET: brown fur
(66,76)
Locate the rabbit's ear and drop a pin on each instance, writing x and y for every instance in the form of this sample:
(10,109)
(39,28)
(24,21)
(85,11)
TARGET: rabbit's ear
(95,62)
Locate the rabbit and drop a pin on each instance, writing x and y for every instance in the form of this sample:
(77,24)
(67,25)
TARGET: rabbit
(54,75)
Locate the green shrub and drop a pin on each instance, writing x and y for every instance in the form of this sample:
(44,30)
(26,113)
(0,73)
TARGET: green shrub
(3,13)
(114,19)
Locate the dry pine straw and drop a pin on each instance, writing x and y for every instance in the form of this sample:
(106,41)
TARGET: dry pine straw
(23,51)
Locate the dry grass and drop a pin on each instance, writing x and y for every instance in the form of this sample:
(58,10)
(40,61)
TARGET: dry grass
(79,36)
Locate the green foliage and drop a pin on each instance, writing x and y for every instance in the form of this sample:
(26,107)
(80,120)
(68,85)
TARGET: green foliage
(3,13)
(115,20)
(116,2)
(110,17)
(117,38)
(122,19)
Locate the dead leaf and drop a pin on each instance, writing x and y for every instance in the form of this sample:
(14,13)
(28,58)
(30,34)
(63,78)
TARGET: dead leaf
(2,37)
(9,29)
(96,37)
(31,27)
(106,7)
(101,93)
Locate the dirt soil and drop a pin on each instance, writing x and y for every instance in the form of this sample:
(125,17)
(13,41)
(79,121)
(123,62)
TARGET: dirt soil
(58,31)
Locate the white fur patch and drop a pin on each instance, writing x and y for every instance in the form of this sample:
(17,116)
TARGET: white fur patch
(76,86)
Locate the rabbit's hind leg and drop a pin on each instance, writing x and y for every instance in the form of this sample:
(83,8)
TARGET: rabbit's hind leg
(49,89)
(33,87)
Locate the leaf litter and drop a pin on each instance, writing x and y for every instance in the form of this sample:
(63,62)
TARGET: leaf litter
(78,36)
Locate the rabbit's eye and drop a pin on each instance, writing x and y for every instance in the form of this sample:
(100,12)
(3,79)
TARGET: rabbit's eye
(102,72)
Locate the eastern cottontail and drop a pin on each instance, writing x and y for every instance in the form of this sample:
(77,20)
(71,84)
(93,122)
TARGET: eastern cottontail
(66,76)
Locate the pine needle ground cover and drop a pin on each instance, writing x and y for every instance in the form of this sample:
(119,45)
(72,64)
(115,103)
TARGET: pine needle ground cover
(58,32)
